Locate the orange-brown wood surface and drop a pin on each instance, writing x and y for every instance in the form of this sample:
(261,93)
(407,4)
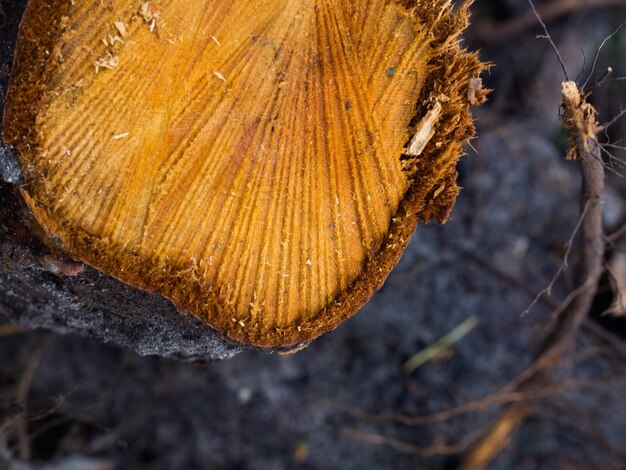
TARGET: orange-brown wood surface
(243,158)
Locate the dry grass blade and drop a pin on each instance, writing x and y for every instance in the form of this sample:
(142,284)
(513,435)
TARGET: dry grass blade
(441,346)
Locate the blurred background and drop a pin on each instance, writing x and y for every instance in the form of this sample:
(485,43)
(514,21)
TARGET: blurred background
(68,402)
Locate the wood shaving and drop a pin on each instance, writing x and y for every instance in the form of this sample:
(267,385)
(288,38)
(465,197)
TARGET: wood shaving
(425,130)
(112,43)
(107,62)
(475,85)
(438,191)
(121,28)
(151,15)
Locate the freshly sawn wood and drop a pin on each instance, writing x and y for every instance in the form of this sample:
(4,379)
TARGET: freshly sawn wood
(261,163)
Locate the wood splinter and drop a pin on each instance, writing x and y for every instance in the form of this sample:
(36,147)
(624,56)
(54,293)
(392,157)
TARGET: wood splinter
(425,131)
(257,180)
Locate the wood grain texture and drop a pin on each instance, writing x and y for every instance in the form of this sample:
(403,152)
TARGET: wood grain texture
(246,159)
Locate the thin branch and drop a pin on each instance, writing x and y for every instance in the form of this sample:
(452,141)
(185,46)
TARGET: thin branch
(549,38)
(564,264)
(595,59)
(612,159)
(600,81)
(570,298)
(508,394)
(617,145)
(591,326)
(606,125)
(618,345)
(408,448)
(617,234)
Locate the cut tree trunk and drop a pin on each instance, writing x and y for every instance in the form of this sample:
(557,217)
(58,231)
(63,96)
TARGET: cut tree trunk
(262,164)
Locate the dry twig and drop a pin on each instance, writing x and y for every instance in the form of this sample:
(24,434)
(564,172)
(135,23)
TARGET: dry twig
(437,448)
(9,329)
(580,123)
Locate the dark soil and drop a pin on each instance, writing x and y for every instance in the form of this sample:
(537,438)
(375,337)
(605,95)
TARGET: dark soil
(103,406)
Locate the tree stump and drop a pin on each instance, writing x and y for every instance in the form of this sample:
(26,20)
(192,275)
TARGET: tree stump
(263,165)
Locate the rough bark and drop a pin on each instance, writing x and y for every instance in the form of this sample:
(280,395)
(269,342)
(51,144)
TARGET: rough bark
(91,304)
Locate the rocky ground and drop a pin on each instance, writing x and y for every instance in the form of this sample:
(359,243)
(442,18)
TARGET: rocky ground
(101,406)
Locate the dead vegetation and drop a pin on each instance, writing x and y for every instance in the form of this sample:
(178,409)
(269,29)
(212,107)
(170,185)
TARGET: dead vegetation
(547,377)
